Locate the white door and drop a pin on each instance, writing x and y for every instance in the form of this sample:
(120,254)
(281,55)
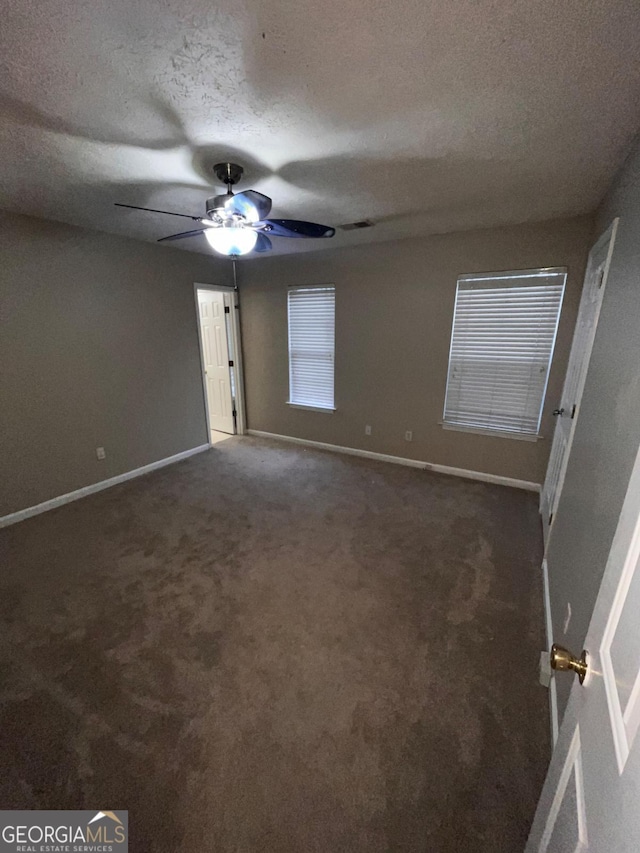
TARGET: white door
(215,358)
(591,797)
(568,408)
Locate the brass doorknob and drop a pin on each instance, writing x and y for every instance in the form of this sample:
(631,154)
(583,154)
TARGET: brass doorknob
(562,660)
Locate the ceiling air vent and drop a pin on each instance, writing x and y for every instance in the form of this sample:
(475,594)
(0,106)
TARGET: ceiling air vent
(351,226)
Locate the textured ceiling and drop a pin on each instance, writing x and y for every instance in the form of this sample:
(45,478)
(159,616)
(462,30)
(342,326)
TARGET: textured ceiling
(423,115)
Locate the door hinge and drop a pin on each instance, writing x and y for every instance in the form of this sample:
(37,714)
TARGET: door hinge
(230,364)
(573,411)
(226,309)
(234,413)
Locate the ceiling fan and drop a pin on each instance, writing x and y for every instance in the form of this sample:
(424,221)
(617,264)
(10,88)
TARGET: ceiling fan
(236,224)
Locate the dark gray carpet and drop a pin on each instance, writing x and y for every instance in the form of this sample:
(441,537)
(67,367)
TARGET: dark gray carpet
(267,648)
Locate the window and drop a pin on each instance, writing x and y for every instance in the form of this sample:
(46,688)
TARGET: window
(504,331)
(311,346)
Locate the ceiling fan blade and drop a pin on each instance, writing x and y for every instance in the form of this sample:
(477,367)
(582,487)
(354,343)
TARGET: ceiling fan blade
(263,244)
(153,210)
(183,235)
(297,228)
(251,204)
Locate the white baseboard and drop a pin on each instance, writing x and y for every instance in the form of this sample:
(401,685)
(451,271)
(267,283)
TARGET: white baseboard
(484,478)
(21,514)
(553,696)
(399,460)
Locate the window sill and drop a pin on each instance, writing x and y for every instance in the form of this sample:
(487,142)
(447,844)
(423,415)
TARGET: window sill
(328,410)
(496,433)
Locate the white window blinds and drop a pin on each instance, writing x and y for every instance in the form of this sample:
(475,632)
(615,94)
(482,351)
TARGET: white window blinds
(504,331)
(311,346)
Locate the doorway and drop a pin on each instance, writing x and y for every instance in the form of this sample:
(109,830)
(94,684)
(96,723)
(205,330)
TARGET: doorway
(221,360)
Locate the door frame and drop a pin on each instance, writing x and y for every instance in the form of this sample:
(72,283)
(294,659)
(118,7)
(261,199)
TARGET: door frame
(236,349)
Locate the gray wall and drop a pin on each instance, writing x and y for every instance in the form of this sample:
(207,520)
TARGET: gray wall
(608,430)
(394,307)
(98,346)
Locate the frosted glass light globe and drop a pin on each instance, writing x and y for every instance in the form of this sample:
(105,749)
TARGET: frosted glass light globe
(230,240)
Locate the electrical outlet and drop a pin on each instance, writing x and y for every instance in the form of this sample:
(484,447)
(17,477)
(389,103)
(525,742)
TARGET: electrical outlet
(408,436)
(367,430)
(100,453)
(567,618)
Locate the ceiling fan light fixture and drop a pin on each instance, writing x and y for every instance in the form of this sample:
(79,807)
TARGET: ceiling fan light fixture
(230,240)
(238,223)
